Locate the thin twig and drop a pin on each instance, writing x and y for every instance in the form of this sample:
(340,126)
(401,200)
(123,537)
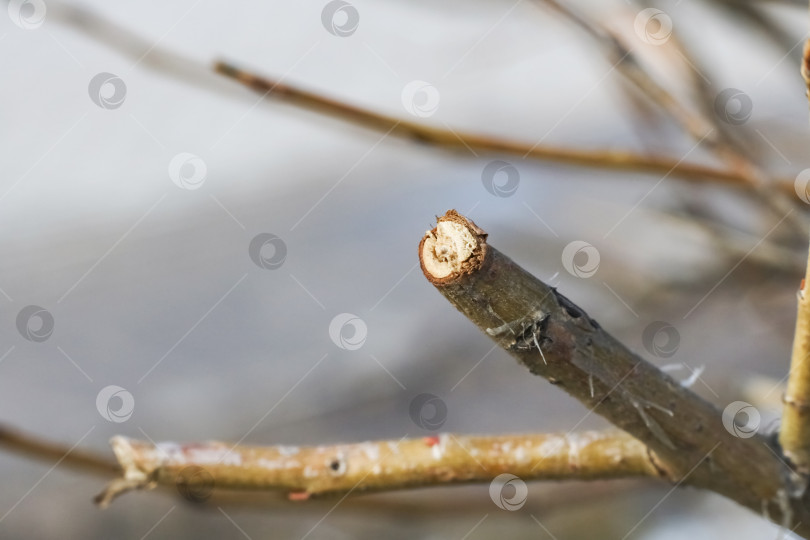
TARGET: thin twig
(758,15)
(188,70)
(805,68)
(558,341)
(700,127)
(35,448)
(795,433)
(443,459)
(600,159)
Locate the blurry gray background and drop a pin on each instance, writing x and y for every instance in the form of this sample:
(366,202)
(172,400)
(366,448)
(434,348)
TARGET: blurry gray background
(151,286)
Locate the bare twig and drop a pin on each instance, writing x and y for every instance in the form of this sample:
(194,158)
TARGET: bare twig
(381,465)
(188,70)
(759,17)
(36,448)
(700,127)
(601,159)
(805,69)
(795,434)
(557,340)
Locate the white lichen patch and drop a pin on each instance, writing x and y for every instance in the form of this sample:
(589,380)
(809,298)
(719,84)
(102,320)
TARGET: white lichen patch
(270,464)
(214,455)
(288,450)
(171,452)
(438,449)
(444,252)
(579,441)
(372,451)
(393,446)
(551,447)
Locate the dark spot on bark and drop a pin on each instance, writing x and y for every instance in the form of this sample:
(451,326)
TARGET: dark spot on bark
(337,466)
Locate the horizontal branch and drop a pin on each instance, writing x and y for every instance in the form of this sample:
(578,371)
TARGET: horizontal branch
(381,465)
(557,340)
(445,138)
(36,448)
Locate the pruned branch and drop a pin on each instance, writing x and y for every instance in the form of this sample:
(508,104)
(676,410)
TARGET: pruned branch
(557,340)
(444,459)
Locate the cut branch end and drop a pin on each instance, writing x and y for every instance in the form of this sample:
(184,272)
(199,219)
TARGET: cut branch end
(456,246)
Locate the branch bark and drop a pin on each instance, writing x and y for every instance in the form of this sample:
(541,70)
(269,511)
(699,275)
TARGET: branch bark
(805,68)
(794,435)
(557,340)
(196,469)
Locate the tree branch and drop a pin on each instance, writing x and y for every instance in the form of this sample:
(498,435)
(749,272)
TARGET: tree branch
(186,69)
(379,465)
(557,340)
(600,159)
(33,447)
(794,435)
(702,128)
(805,68)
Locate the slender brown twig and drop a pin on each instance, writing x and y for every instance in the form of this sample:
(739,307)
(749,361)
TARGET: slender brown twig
(601,159)
(443,459)
(557,340)
(186,69)
(35,448)
(700,127)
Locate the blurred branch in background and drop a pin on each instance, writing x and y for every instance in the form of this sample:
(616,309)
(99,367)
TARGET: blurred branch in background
(601,159)
(192,72)
(701,127)
(35,448)
(805,69)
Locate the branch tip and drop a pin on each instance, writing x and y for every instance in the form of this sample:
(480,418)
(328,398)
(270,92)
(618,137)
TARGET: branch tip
(456,246)
(135,476)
